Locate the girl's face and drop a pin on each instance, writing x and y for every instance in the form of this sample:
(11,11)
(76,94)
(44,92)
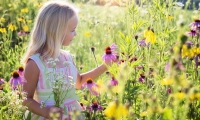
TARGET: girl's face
(71,31)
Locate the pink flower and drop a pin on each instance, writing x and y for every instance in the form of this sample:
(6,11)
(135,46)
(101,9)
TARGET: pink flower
(16,80)
(194,25)
(142,78)
(110,54)
(92,86)
(1,81)
(167,66)
(113,82)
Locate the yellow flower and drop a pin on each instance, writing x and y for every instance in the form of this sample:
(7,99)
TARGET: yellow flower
(21,19)
(38,5)
(167,81)
(197,95)
(29,21)
(2,20)
(169,17)
(185,51)
(25,28)
(87,34)
(24,10)
(3,30)
(12,27)
(150,36)
(116,110)
(143,114)
(101,88)
(180,95)
(117,88)
(9,5)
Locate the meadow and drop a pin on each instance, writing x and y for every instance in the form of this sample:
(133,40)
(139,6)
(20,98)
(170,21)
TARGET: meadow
(157,76)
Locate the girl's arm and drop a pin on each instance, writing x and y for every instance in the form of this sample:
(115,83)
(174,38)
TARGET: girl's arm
(81,78)
(31,74)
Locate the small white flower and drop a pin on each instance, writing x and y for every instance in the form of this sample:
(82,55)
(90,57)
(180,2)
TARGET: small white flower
(67,63)
(70,78)
(56,60)
(180,4)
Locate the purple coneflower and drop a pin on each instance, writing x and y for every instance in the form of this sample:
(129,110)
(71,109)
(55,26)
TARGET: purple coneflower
(110,54)
(197,58)
(91,85)
(21,71)
(113,82)
(142,43)
(22,33)
(142,78)
(194,25)
(192,33)
(95,106)
(1,83)
(16,80)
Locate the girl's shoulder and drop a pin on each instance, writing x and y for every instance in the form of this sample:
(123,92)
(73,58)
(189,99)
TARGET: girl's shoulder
(67,54)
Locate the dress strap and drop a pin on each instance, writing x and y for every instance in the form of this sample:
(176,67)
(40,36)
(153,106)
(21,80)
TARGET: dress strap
(38,61)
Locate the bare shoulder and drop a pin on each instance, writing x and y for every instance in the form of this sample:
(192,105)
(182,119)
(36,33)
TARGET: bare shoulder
(31,67)
(31,74)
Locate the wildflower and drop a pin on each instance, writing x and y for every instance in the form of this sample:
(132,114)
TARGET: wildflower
(101,87)
(12,27)
(25,28)
(167,66)
(21,33)
(92,49)
(169,17)
(142,78)
(2,19)
(95,106)
(3,30)
(197,60)
(1,83)
(169,90)
(110,54)
(29,21)
(87,34)
(194,25)
(21,19)
(143,114)
(180,4)
(24,10)
(192,33)
(38,5)
(113,82)
(150,36)
(21,71)
(142,43)
(180,95)
(116,110)
(167,81)
(16,80)
(91,85)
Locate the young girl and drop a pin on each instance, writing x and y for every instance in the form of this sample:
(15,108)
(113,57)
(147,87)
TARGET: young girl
(55,26)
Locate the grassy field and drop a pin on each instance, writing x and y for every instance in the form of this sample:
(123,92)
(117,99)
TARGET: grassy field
(158,70)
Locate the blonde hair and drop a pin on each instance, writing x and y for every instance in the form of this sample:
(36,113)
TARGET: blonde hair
(49,29)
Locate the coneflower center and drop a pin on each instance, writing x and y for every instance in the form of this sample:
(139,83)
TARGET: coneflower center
(15,74)
(108,50)
(89,81)
(21,69)
(95,106)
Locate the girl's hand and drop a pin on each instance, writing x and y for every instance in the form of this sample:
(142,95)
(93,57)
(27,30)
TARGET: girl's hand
(54,113)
